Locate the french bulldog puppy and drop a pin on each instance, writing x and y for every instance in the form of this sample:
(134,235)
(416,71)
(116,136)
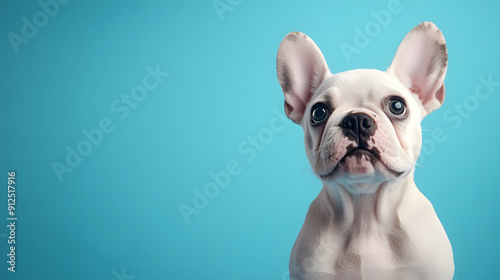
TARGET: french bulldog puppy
(363,137)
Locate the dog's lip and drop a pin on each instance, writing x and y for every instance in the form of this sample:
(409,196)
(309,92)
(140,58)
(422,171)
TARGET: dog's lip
(350,153)
(363,151)
(360,150)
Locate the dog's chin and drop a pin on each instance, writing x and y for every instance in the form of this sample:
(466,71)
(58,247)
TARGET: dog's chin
(360,165)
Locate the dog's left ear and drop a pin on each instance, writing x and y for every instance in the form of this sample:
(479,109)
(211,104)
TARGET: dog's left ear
(420,64)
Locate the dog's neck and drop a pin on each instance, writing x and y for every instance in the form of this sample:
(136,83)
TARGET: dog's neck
(368,211)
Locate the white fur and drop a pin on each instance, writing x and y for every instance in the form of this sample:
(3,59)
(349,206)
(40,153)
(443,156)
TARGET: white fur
(369,221)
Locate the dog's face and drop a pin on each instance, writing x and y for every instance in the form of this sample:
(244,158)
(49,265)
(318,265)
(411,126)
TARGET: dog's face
(362,127)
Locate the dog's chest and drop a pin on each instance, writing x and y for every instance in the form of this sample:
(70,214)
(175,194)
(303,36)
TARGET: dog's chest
(353,256)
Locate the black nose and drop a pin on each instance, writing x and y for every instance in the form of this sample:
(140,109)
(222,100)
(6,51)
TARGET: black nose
(358,126)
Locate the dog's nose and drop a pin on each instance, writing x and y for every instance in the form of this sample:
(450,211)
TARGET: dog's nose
(358,125)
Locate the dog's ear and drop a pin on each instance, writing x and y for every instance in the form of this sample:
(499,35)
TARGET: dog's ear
(420,64)
(301,69)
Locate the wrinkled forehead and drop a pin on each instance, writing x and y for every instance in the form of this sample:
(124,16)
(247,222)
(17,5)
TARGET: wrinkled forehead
(358,87)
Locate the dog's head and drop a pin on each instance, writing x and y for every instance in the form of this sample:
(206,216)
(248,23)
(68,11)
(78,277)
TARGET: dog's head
(363,126)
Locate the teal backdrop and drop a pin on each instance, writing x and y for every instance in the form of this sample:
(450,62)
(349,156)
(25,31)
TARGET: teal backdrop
(148,138)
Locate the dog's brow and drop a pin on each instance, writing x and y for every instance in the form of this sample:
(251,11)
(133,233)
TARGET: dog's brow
(387,92)
(329,100)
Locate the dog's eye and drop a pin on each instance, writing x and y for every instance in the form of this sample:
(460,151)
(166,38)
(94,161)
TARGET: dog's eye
(397,106)
(319,112)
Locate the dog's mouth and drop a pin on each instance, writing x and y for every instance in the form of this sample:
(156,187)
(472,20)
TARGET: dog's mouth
(359,152)
(359,161)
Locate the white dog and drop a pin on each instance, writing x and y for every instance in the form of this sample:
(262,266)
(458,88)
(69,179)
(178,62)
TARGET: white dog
(363,137)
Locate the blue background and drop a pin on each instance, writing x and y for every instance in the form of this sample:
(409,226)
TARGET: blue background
(119,208)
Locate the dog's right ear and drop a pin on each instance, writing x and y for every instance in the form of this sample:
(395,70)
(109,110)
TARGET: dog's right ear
(301,69)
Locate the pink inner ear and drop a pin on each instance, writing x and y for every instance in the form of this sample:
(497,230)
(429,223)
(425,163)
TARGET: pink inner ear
(420,64)
(301,69)
(288,108)
(440,94)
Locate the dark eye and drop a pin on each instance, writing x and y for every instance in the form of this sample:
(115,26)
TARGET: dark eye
(397,106)
(319,112)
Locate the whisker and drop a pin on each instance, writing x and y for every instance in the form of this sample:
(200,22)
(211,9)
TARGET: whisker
(306,168)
